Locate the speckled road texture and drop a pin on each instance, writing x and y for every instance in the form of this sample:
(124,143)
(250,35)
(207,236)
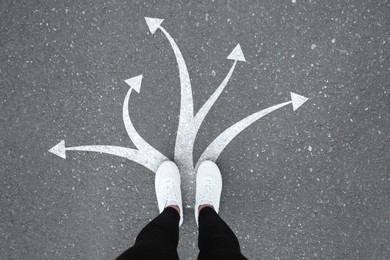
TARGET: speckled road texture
(307,184)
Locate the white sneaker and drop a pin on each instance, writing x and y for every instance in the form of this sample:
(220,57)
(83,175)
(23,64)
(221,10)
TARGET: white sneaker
(167,185)
(208,186)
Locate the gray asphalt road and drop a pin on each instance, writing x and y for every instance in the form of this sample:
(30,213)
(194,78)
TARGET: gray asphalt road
(307,184)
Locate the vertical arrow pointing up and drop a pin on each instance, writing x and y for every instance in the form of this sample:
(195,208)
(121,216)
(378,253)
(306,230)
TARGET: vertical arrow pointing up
(186,100)
(139,142)
(237,54)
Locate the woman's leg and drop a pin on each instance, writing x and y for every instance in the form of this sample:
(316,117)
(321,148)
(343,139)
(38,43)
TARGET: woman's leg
(216,239)
(158,239)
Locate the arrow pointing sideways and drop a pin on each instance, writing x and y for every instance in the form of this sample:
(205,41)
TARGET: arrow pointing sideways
(237,54)
(59,149)
(153,23)
(150,160)
(216,147)
(297,100)
(135,82)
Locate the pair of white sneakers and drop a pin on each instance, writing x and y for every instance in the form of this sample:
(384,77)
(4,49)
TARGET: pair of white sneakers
(208,187)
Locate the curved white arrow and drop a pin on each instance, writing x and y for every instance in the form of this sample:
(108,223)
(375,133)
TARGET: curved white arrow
(135,84)
(235,55)
(186,101)
(186,151)
(150,162)
(213,151)
(139,142)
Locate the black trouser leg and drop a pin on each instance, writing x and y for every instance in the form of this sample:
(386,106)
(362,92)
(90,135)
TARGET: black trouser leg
(216,239)
(158,239)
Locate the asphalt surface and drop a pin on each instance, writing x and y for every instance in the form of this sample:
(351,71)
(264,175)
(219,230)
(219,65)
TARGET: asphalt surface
(307,184)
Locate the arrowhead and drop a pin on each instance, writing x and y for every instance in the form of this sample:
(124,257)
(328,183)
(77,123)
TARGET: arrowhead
(135,82)
(237,54)
(153,23)
(59,149)
(297,100)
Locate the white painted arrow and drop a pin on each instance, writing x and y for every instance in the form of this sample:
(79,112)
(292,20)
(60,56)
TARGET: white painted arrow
(186,101)
(213,151)
(59,149)
(186,151)
(135,83)
(150,162)
(297,100)
(153,23)
(235,55)
(139,142)
(146,154)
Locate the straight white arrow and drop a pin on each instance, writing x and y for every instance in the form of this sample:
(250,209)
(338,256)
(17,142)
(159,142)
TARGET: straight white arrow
(186,101)
(146,160)
(214,150)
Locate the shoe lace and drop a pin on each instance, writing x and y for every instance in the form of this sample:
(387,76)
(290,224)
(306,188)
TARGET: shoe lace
(170,196)
(207,191)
